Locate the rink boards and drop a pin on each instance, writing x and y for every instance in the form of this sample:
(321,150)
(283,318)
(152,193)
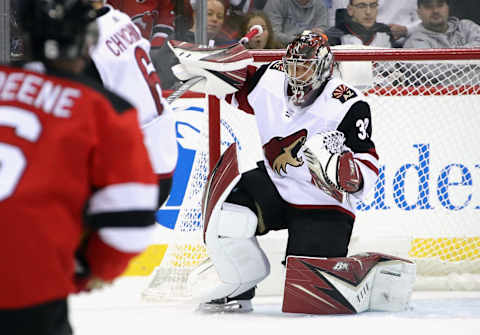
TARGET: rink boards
(426,201)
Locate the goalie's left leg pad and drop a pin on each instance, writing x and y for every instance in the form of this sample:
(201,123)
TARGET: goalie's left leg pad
(347,285)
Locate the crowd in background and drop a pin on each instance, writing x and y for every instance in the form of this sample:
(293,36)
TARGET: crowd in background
(378,23)
(381,23)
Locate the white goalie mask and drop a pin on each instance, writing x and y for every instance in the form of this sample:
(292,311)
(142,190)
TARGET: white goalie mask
(308,63)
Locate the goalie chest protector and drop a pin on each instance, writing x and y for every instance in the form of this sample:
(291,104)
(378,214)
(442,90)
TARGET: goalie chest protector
(282,134)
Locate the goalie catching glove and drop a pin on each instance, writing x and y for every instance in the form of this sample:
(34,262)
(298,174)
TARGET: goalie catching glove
(331,164)
(224,69)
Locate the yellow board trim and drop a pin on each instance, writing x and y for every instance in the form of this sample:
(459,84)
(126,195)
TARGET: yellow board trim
(146,262)
(453,249)
(447,249)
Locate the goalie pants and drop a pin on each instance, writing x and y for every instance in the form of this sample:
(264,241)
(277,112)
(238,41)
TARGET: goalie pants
(313,232)
(50,318)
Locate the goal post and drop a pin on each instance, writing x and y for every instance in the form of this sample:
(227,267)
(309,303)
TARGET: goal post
(426,204)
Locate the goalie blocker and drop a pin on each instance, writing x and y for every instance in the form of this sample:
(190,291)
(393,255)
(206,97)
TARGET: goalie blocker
(348,285)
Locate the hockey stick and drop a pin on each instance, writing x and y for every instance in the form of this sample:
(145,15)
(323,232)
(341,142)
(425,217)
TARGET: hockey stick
(177,94)
(183,88)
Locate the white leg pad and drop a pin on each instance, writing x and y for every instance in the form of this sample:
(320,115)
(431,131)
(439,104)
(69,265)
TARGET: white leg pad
(237,258)
(392,286)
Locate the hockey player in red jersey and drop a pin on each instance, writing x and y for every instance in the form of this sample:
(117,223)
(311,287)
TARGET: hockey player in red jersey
(319,160)
(121,62)
(77,190)
(154,18)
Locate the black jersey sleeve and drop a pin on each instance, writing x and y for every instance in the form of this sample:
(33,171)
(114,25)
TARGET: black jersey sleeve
(357,127)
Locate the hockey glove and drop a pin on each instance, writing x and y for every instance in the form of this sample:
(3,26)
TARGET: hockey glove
(331,164)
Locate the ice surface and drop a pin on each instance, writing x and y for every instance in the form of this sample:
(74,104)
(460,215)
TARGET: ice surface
(119,310)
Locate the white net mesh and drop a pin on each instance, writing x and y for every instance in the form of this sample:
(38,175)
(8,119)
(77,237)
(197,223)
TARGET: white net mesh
(186,249)
(426,204)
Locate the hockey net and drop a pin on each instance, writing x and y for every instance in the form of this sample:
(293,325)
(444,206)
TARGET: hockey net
(426,204)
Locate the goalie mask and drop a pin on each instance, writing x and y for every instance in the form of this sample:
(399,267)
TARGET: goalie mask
(308,63)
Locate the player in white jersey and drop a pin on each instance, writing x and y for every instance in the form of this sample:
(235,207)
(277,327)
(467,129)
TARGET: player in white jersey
(121,60)
(319,161)
(290,109)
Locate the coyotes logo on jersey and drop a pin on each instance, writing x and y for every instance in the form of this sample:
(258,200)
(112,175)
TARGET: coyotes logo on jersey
(282,151)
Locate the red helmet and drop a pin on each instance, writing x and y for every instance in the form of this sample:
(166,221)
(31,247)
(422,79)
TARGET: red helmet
(308,63)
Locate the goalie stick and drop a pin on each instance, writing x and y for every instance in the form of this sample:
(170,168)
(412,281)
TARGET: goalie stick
(177,94)
(183,88)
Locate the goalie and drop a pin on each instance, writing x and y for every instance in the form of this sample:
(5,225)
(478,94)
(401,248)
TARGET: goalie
(319,159)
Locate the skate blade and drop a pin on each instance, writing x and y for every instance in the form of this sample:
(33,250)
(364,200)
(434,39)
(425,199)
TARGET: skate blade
(230,307)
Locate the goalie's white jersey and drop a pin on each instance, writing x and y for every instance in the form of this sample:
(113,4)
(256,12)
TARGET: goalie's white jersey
(122,60)
(283,133)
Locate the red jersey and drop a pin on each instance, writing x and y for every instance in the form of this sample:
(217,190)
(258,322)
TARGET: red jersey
(64,147)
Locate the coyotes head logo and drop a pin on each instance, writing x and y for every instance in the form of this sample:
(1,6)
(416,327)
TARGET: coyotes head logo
(282,151)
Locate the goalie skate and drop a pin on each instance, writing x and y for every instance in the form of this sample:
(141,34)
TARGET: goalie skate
(226,305)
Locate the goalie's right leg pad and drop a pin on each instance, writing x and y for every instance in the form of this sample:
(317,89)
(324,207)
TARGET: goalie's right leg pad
(237,258)
(347,285)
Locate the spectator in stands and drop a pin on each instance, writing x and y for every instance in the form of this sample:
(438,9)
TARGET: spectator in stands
(235,15)
(465,9)
(259,4)
(439,30)
(291,17)
(400,16)
(216,11)
(163,58)
(361,27)
(267,39)
(242,6)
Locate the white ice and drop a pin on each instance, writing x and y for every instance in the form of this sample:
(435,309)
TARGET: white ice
(119,310)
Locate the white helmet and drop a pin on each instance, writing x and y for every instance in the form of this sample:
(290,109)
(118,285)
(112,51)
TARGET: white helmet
(308,63)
